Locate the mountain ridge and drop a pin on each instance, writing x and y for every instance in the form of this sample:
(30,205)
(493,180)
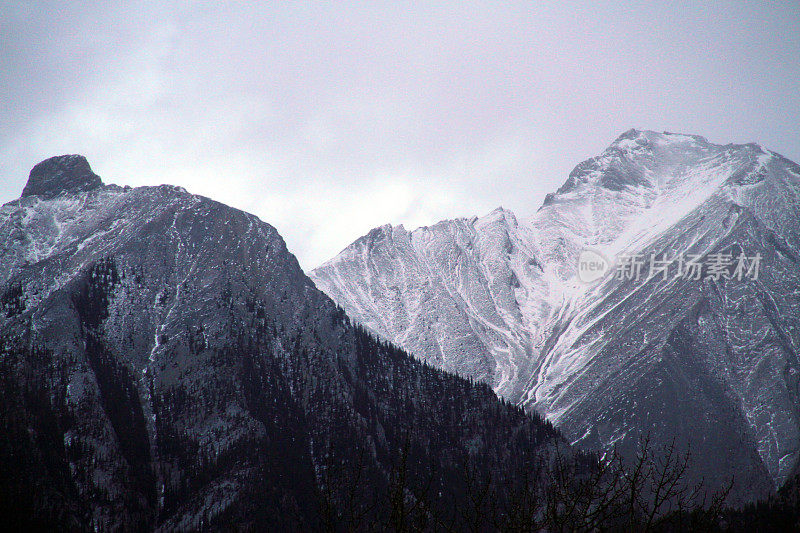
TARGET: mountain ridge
(544,340)
(165,364)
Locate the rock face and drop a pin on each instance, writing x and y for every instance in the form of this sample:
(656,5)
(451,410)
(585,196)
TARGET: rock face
(711,362)
(61,174)
(165,364)
(447,293)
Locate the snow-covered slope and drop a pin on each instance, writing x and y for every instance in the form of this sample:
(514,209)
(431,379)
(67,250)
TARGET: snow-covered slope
(448,293)
(713,362)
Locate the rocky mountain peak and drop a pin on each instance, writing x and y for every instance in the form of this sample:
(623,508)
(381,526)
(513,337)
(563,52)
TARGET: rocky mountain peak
(63,173)
(633,158)
(644,137)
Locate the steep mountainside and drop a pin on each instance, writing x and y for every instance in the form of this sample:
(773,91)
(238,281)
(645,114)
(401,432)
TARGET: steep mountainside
(711,362)
(165,364)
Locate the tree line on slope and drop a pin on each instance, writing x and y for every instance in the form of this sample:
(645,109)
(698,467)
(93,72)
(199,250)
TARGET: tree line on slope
(352,434)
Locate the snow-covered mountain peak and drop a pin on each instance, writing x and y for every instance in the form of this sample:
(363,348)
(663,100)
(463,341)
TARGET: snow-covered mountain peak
(60,174)
(638,159)
(375,235)
(641,185)
(645,137)
(500,300)
(498,215)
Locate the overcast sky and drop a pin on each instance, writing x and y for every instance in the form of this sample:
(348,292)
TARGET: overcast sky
(326,121)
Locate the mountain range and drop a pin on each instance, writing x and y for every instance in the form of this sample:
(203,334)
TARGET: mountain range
(709,358)
(165,364)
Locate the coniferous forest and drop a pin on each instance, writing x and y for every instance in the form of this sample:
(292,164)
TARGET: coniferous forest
(357,437)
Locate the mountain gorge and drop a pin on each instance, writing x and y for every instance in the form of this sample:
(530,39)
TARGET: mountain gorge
(167,365)
(710,362)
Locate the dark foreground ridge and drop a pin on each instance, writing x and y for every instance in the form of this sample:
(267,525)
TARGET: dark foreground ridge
(166,364)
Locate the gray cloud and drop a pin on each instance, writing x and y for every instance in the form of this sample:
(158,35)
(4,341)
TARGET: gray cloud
(326,121)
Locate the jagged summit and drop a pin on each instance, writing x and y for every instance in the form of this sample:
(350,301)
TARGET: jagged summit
(63,173)
(664,137)
(640,159)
